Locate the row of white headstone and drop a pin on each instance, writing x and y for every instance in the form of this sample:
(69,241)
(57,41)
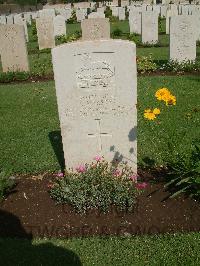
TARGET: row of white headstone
(13,43)
(120,12)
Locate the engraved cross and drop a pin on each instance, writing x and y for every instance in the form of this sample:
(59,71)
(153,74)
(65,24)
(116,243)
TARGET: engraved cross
(99,134)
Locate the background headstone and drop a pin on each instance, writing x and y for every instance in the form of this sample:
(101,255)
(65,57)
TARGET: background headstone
(182,38)
(149,27)
(21,21)
(45,32)
(121,12)
(13,48)
(135,22)
(47,13)
(95,29)
(59,25)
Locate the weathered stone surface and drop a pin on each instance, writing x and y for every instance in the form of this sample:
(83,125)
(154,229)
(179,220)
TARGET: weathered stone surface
(45,32)
(170,13)
(135,22)
(81,14)
(9,20)
(96,86)
(115,11)
(59,25)
(149,27)
(182,38)
(95,29)
(121,12)
(3,19)
(47,13)
(96,15)
(21,21)
(13,48)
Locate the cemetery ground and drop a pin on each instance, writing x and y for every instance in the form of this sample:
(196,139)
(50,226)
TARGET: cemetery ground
(157,56)
(31,150)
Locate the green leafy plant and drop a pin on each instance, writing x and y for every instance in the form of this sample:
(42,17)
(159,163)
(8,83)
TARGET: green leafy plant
(133,37)
(33,28)
(108,12)
(6,184)
(6,77)
(175,66)
(145,64)
(117,32)
(98,185)
(184,173)
(68,38)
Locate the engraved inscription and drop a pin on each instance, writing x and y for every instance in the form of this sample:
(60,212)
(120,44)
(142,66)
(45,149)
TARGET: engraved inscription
(99,134)
(94,73)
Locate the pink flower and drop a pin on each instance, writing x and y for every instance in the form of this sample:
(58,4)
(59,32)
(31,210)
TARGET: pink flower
(60,174)
(141,185)
(117,172)
(98,158)
(81,169)
(134,178)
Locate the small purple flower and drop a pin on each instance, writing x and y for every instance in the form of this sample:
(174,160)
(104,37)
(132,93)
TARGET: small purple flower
(81,168)
(60,174)
(134,178)
(97,158)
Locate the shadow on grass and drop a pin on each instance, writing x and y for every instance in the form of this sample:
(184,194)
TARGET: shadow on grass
(56,142)
(20,252)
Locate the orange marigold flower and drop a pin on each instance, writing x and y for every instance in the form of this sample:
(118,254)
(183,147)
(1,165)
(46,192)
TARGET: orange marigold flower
(171,100)
(162,94)
(156,111)
(149,115)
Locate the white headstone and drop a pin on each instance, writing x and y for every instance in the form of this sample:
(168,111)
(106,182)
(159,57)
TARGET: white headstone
(3,19)
(122,15)
(149,27)
(59,25)
(170,13)
(27,17)
(96,15)
(95,29)
(66,13)
(47,13)
(9,20)
(124,3)
(182,38)
(97,100)
(163,11)
(81,14)
(115,11)
(21,21)
(135,22)
(45,32)
(13,48)
(34,15)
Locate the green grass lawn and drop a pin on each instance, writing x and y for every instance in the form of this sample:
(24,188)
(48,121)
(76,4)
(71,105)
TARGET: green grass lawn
(29,122)
(165,250)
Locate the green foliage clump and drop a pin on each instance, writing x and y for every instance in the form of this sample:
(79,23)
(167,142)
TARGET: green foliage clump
(184,172)
(146,64)
(6,77)
(117,33)
(133,37)
(6,184)
(96,186)
(108,12)
(175,66)
(68,38)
